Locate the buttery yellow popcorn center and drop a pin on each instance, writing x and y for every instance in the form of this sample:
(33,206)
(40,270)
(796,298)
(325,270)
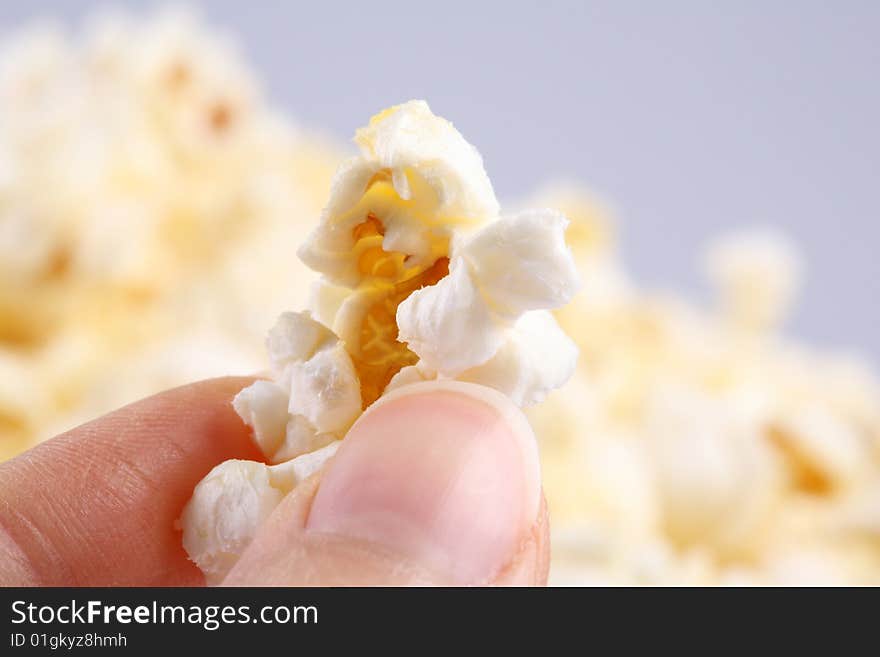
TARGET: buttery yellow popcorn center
(422,279)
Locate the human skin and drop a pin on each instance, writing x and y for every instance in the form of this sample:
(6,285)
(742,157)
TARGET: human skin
(432,488)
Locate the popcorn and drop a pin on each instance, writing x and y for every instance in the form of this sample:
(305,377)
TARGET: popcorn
(464,319)
(149,198)
(263,406)
(822,451)
(225,511)
(417,261)
(757,274)
(422,279)
(536,357)
(419,179)
(22,403)
(232,501)
(715,476)
(699,446)
(146,192)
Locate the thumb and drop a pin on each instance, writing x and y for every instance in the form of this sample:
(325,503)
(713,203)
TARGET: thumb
(438,483)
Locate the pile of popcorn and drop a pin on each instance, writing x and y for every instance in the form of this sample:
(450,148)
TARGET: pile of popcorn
(147,195)
(149,198)
(701,446)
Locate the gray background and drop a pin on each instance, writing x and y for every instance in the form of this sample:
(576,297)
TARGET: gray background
(692,117)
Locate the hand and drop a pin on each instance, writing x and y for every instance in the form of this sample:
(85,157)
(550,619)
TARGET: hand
(431,488)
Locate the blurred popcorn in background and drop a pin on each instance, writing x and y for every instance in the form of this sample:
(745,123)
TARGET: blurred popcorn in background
(149,201)
(150,206)
(702,447)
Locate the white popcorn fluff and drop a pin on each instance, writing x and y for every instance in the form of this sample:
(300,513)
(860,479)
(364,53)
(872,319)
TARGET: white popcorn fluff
(230,504)
(421,278)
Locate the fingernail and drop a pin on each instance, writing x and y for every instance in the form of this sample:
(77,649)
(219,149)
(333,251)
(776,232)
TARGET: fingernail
(446,474)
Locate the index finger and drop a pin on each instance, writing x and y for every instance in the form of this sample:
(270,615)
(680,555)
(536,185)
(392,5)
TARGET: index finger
(97,505)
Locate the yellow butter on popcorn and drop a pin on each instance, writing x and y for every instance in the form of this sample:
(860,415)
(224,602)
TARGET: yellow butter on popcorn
(422,279)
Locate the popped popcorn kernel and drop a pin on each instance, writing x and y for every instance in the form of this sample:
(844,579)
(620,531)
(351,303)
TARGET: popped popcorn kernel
(226,509)
(232,501)
(421,279)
